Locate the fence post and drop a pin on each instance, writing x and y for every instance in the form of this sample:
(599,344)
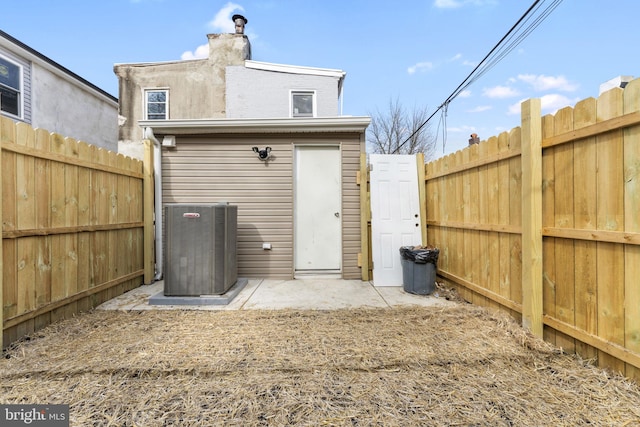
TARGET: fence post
(532,216)
(422,196)
(365,210)
(148,189)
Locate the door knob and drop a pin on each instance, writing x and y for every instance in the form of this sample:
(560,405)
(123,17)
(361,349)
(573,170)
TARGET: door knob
(337,214)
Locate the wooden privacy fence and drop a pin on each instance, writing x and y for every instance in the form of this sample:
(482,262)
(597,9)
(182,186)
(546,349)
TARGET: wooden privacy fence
(75,230)
(544,222)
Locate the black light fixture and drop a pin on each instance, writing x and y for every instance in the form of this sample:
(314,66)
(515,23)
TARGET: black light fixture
(262,154)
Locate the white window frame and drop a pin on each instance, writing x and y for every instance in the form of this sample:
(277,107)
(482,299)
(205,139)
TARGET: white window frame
(314,105)
(145,102)
(20,114)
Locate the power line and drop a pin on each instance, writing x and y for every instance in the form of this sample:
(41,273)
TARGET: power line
(512,41)
(506,44)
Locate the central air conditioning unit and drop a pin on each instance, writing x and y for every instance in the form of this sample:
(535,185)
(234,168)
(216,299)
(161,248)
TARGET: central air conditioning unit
(201,249)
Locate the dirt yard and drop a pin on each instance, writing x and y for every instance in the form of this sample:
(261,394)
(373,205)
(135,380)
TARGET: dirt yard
(459,366)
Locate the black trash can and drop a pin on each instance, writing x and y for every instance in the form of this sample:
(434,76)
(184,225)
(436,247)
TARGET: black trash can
(419,269)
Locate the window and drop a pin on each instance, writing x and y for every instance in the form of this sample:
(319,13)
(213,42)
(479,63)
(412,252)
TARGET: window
(302,104)
(156,104)
(10,87)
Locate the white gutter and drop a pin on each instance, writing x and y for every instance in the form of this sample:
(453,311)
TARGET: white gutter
(294,69)
(157,175)
(269,125)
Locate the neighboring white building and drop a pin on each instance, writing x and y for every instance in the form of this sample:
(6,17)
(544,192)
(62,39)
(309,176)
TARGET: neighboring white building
(267,90)
(42,93)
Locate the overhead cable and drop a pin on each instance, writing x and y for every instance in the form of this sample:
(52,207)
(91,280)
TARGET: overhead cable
(501,49)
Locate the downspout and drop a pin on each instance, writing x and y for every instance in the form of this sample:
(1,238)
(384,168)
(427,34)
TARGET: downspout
(157,177)
(340,92)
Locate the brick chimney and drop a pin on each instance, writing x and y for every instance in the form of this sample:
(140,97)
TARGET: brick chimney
(230,49)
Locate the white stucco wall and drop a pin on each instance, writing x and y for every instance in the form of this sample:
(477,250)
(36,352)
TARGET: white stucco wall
(266,94)
(63,106)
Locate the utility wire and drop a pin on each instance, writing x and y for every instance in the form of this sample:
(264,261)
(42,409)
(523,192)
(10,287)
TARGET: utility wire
(513,41)
(502,52)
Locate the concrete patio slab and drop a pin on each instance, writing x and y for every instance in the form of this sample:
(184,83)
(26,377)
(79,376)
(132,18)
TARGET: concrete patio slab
(301,294)
(314,294)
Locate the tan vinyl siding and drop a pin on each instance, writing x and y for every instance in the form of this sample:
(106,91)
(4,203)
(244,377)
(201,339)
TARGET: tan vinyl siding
(211,170)
(224,168)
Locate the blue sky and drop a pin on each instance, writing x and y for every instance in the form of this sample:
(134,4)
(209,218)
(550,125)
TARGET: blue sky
(415,51)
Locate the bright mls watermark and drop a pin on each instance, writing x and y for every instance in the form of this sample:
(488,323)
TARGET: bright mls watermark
(34,415)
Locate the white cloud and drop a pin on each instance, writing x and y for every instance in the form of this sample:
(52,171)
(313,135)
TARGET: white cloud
(500,92)
(465,94)
(420,66)
(469,63)
(447,4)
(553,102)
(515,108)
(465,128)
(480,109)
(549,104)
(542,82)
(428,65)
(201,52)
(222,21)
(454,4)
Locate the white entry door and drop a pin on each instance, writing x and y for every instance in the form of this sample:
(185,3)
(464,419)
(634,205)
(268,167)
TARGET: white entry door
(395,214)
(318,213)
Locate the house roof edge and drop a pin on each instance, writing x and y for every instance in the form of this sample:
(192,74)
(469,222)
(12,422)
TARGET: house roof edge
(48,63)
(270,125)
(294,69)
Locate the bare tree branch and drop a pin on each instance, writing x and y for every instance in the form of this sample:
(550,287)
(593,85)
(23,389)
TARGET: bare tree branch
(389,129)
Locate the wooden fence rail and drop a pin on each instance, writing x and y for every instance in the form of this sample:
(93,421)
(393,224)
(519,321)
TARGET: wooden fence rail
(544,222)
(73,227)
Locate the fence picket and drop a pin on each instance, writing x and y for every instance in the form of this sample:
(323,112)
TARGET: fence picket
(482,254)
(43,221)
(502,208)
(548,220)
(584,187)
(610,209)
(465,266)
(71,149)
(564,218)
(515,216)
(58,219)
(9,248)
(85,280)
(492,253)
(25,218)
(632,224)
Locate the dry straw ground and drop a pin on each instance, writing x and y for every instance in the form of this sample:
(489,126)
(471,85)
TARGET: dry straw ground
(459,366)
